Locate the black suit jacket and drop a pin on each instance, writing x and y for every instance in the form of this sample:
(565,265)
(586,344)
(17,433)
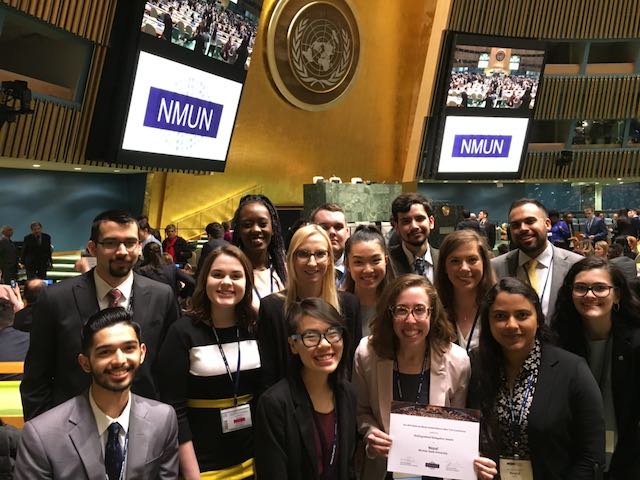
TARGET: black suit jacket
(8,259)
(272,334)
(52,374)
(401,264)
(566,421)
(284,431)
(597,229)
(489,230)
(34,254)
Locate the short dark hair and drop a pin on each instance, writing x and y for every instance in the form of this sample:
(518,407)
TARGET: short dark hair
(330,207)
(402,204)
(321,310)
(524,201)
(486,213)
(466,214)
(121,217)
(104,319)
(553,213)
(143,224)
(215,230)
(32,289)
(34,224)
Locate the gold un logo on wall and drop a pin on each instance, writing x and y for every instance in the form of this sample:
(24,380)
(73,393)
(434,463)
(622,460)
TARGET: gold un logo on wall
(312,51)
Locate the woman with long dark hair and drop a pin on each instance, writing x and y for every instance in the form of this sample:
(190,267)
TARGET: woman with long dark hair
(368,270)
(210,370)
(306,423)
(541,407)
(257,232)
(598,317)
(463,276)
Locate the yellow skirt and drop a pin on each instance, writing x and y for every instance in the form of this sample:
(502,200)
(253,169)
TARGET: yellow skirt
(237,472)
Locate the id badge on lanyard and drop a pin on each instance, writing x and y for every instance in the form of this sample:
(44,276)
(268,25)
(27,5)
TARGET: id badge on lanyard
(515,469)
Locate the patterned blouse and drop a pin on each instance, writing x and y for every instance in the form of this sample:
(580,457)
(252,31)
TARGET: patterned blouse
(514,406)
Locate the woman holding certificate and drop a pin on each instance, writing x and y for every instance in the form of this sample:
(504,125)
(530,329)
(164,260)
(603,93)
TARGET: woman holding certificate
(542,409)
(598,317)
(408,357)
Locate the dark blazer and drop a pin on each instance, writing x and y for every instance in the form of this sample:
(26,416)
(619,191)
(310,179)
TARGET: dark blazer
(284,432)
(489,230)
(597,229)
(34,254)
(401,264)
(209,247)
(272,334)
(64,442)
(566,421)
(8,259)
(51,371)
(23,319)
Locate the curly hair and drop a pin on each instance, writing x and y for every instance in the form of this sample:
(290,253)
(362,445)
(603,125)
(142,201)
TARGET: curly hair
(384,340)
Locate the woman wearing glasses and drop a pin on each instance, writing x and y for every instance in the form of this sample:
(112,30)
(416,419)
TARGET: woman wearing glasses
(306,423)
(463,276)
(541,409)
(408,357)
(598,317)
(310,267)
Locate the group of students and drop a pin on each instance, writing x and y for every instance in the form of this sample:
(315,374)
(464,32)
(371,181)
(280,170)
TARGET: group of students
(318,367)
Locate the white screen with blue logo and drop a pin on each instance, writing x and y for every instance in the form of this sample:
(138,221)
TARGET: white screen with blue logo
(482,144)
(179,110)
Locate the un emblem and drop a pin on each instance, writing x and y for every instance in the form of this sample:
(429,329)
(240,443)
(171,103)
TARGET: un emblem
(312,51)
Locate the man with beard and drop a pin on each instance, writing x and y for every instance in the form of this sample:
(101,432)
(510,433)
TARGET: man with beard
(106,431)
(412,219)
(331,218)
(534,260)
(52,374)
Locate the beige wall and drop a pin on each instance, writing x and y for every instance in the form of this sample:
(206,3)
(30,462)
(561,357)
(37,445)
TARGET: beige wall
(279,147)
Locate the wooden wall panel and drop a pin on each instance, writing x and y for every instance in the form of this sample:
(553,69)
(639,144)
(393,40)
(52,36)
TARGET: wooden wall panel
(585,165)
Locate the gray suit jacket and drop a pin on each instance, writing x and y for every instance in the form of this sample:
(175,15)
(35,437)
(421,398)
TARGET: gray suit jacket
(507,266)
(63,443)
(401,264)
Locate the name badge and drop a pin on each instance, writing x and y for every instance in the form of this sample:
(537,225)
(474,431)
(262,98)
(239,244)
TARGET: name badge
(515,469)
(235,418)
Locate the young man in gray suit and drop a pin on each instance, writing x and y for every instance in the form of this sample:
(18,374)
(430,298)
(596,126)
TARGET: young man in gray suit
(535,260)
(105,432)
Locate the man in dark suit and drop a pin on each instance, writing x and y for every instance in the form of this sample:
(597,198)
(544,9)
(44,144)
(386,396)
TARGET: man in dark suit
(52,374)
(412,218)
(36,252)
(215,232)
(534,260)
(105,432)
(488,228)
(32,290)
(8,256)
(595,229)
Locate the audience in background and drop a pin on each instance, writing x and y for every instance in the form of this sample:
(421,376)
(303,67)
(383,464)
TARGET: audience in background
(176,246)
(24,317)
(13,343)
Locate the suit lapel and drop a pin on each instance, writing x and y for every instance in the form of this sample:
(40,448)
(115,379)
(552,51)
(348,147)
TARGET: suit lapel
(141,300)
(139,439)
(542,397)
(84,436)
(304,419)
(512,264)
(84,293)
(437,380)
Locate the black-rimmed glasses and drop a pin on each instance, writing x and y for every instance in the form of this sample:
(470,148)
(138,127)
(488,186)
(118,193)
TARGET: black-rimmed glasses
(305,255)
(600,290)
(113,244)
(312,338)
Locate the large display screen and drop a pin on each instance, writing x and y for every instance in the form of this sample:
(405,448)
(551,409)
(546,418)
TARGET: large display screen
(177,110)
(486,145)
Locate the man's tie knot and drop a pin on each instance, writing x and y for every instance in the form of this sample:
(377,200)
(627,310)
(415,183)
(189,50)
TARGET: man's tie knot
(532,273)
(115,296)
(419,265)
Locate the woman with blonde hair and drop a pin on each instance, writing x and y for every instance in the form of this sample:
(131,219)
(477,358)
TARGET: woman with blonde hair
(601,249)
(310,270)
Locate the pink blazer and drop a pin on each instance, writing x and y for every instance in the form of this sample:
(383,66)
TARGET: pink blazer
(373,379)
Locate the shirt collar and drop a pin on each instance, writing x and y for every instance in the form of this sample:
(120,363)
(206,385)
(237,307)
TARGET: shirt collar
(339,263)
(544,258)
(103,420)
(411,257)
(103,288)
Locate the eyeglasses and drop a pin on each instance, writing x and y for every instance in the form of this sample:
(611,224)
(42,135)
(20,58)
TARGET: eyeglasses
(600,290)
(305,255)
(113,244)
(312,338)
(401,312)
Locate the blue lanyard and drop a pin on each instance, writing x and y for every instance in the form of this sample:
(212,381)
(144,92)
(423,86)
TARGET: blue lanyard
(255,289)
(236,383)
(516,424)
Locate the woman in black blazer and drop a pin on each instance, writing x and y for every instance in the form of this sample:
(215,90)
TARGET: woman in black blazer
(306,423)
(310,270)
(598,317)
(542,410)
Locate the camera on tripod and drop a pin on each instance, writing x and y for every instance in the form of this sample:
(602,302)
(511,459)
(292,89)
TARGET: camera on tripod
(15,99)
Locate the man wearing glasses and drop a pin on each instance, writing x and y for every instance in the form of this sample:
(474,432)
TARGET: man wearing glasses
(52,374)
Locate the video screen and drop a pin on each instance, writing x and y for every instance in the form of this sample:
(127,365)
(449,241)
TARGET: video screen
(494,77)
(483,145)
(180,111)
(206,27)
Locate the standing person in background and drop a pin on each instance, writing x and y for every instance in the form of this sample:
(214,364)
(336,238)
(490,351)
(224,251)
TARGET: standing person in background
(257,232)
(36,252)
(368,270)
(598,317)
(559,230)
(594,228)
(146,234)
(215,232)
(228,235)
(175,246)
(168,25)
(488,228)
(331,217)
(306,423)
(464,277)
(211,371)
(9,256)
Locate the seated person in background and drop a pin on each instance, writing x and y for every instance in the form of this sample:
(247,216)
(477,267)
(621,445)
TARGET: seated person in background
(314,407)
(601,249)
(24,317)
(153,266)
(624,263)
(105,432)
(584,247)
(13,343)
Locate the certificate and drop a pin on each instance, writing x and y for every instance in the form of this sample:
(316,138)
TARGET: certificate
(433,441)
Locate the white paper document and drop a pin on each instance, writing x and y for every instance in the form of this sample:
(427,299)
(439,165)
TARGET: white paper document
(433,441)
